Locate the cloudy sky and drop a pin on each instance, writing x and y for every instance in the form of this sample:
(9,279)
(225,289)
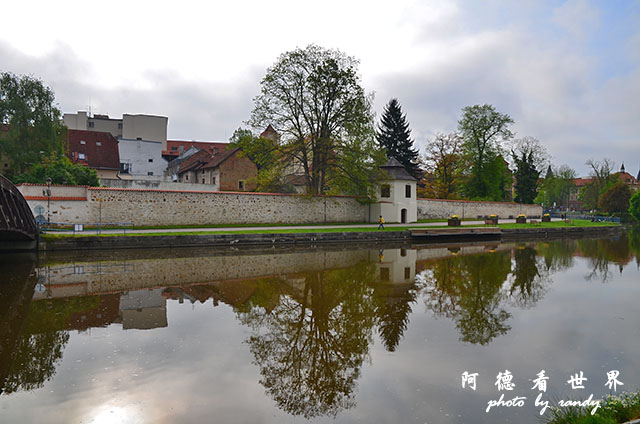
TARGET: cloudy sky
(568,72)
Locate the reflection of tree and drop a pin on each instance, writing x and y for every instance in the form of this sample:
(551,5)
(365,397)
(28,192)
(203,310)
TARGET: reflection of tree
(393,305)
(557,255)
(529,278)
(35,361)
(601,253)
(467,289)
(311,345)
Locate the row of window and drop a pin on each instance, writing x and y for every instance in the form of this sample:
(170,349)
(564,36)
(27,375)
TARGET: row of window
(385,191)
(98,143)
(93,125)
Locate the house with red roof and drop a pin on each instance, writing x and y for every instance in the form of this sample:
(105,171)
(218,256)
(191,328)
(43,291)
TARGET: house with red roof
(97,150)
(228,170)
(176,147)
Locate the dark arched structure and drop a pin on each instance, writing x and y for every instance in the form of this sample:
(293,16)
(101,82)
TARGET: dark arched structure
(18,229)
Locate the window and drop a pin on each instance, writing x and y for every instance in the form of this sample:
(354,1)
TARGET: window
(98,143)
(385,190)
(240,185)
(186,177)
(138,138)
(174,147)
(150,160)
(83,142)
(125,167)
(81,156)
(213,182)
(407,273)
(120,126)
(407,191)
(92,124)
(6,165)
(150,173)
(203,180)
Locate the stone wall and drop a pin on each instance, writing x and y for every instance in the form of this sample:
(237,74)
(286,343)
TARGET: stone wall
(436,208)
(88,205)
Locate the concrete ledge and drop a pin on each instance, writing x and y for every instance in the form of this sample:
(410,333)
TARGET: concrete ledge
(543,233)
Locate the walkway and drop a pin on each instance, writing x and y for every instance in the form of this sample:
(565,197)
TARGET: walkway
(276,229)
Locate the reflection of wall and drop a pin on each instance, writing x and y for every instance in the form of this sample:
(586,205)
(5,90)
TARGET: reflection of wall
(143,309)
(79,278)
(397,266)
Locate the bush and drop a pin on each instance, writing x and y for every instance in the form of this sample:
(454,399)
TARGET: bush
(61,171)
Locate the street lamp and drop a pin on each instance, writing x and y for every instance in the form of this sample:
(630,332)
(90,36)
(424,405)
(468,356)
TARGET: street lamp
(48,200)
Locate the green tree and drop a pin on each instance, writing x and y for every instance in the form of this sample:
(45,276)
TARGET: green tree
(313,96)
(61,171)
(555,189)
(529,157)
(32,123)
(634,206)
(616,199)
(603,179)
(394,135)
(483,130)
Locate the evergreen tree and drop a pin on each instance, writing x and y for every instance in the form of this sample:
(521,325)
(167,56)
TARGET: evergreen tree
(395,136)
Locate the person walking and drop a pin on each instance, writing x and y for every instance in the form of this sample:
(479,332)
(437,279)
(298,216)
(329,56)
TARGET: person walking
(381,222)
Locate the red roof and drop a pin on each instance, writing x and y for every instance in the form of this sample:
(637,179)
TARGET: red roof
(204,160)
(581,182)
(173,147)
(99,149)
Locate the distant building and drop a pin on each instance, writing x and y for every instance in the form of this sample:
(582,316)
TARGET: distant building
(227,170)
(97,150)
(132,127)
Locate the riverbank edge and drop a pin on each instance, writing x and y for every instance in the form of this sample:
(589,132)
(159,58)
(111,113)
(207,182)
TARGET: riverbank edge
(310,238)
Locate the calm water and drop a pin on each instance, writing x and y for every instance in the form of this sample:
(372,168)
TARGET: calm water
(368,335)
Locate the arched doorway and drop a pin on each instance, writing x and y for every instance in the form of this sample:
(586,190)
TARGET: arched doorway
(403,216)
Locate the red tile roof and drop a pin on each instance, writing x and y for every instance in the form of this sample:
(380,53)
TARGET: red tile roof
(204,160)
(173,147)
(98,156)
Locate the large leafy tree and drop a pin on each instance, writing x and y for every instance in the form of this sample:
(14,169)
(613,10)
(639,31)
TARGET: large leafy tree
(529,157)
(394,135)
(616,199)
(483,130)
(31,123)
(313,97)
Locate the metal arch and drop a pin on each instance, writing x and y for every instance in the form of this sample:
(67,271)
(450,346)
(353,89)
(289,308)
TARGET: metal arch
(17,224)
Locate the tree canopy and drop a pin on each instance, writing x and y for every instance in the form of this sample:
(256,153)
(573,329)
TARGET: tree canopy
(61,171)
(634,206)
(313,97)
(31,123)
(483,131)
(394,135)
(616,198)
(445,165)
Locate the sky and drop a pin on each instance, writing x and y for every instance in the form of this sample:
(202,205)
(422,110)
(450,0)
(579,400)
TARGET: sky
(567,72)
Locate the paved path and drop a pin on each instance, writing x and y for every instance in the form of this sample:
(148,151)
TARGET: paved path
(276,228)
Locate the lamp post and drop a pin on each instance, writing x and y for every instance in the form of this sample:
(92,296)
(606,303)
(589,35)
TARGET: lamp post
(48,200)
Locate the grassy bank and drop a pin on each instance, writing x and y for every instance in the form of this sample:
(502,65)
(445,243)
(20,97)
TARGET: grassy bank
(614,410)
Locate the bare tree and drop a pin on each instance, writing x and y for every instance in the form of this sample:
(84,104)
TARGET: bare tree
(443,162)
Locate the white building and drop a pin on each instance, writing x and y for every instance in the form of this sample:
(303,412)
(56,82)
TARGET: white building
(141,140)
(396,195)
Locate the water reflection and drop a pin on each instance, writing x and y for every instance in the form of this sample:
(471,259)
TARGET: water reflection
(312,317)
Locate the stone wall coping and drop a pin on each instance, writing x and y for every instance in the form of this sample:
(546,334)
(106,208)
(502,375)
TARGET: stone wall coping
(476,201)
(52,185)
(247,193)
(80,198)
